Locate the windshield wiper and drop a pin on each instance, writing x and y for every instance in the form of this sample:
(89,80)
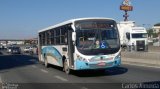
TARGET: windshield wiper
(94,41)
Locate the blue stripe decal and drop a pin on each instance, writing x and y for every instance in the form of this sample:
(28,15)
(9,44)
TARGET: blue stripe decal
(51,51)
(82,65)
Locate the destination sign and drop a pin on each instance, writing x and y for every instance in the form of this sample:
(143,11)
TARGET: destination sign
(100,25)
(94,25)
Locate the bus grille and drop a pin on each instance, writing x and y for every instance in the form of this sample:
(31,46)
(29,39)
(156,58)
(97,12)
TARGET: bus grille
(140,45)
(98,66)
(105,59)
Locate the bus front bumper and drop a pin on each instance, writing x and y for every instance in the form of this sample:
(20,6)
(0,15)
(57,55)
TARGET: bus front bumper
(82,65)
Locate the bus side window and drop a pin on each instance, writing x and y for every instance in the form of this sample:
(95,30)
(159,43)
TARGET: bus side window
(43,39)
(52,37)
(48,38)
(40,39)
(128,35)
(63,35)
(57,36)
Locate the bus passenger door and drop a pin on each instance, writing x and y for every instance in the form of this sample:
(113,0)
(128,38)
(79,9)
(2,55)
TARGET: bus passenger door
(70,49)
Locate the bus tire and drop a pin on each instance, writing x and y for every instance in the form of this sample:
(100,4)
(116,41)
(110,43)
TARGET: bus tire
(66,67)
(45,62)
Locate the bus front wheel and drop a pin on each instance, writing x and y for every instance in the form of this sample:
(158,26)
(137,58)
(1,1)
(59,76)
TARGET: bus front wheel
(66,67)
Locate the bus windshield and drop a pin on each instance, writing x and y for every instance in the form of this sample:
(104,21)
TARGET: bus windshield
(139,35)
(95,37)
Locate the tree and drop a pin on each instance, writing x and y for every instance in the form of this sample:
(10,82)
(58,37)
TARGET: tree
(150,32)
(158,24)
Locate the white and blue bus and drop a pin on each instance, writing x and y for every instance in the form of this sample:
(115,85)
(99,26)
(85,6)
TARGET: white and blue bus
(81,44)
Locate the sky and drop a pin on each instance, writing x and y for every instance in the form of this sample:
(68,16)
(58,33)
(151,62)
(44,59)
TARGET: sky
(22,19)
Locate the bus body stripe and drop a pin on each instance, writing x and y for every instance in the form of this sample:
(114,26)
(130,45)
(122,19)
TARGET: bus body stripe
(54,55)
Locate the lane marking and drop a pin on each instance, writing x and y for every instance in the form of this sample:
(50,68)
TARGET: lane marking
(154,52)
(79,86)
(34,66)
(45,71)
(33,60)
(143,65)
(84,88)
(0,79)
(61,78)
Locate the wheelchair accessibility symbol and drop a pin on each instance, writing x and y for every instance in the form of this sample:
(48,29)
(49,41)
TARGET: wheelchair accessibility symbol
(103,45)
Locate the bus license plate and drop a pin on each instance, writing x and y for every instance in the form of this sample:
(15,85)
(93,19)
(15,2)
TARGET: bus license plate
(102,64)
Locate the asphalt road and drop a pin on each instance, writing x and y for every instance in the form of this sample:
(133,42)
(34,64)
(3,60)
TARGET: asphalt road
(25,72)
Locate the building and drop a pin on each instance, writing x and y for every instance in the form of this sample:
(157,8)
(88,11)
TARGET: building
(15,42)
(156,28)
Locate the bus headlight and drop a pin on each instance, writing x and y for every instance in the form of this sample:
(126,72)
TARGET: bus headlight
(118,57)
(81,58)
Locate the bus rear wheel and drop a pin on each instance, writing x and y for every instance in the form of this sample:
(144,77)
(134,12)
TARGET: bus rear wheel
(66,67)
(45,63)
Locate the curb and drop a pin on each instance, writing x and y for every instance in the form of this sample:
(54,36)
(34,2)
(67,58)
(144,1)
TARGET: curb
(141,64)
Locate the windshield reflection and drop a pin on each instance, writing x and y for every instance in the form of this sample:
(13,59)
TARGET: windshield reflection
(97,39)
(139,35)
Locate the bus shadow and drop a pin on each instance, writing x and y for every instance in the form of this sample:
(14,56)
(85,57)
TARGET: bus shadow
(14,61)
(1,52)
(95,73)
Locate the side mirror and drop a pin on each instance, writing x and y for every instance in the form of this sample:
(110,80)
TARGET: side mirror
(128,35)
(73,36)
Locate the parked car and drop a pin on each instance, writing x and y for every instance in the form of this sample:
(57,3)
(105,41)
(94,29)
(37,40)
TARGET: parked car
(9,49)
(35,50)
(15,50)
(27,49)
(1,46)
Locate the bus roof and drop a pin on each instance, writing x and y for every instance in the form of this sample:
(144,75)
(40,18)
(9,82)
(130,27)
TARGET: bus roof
(71,21)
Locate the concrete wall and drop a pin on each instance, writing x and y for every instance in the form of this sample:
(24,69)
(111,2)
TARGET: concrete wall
(152,57)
